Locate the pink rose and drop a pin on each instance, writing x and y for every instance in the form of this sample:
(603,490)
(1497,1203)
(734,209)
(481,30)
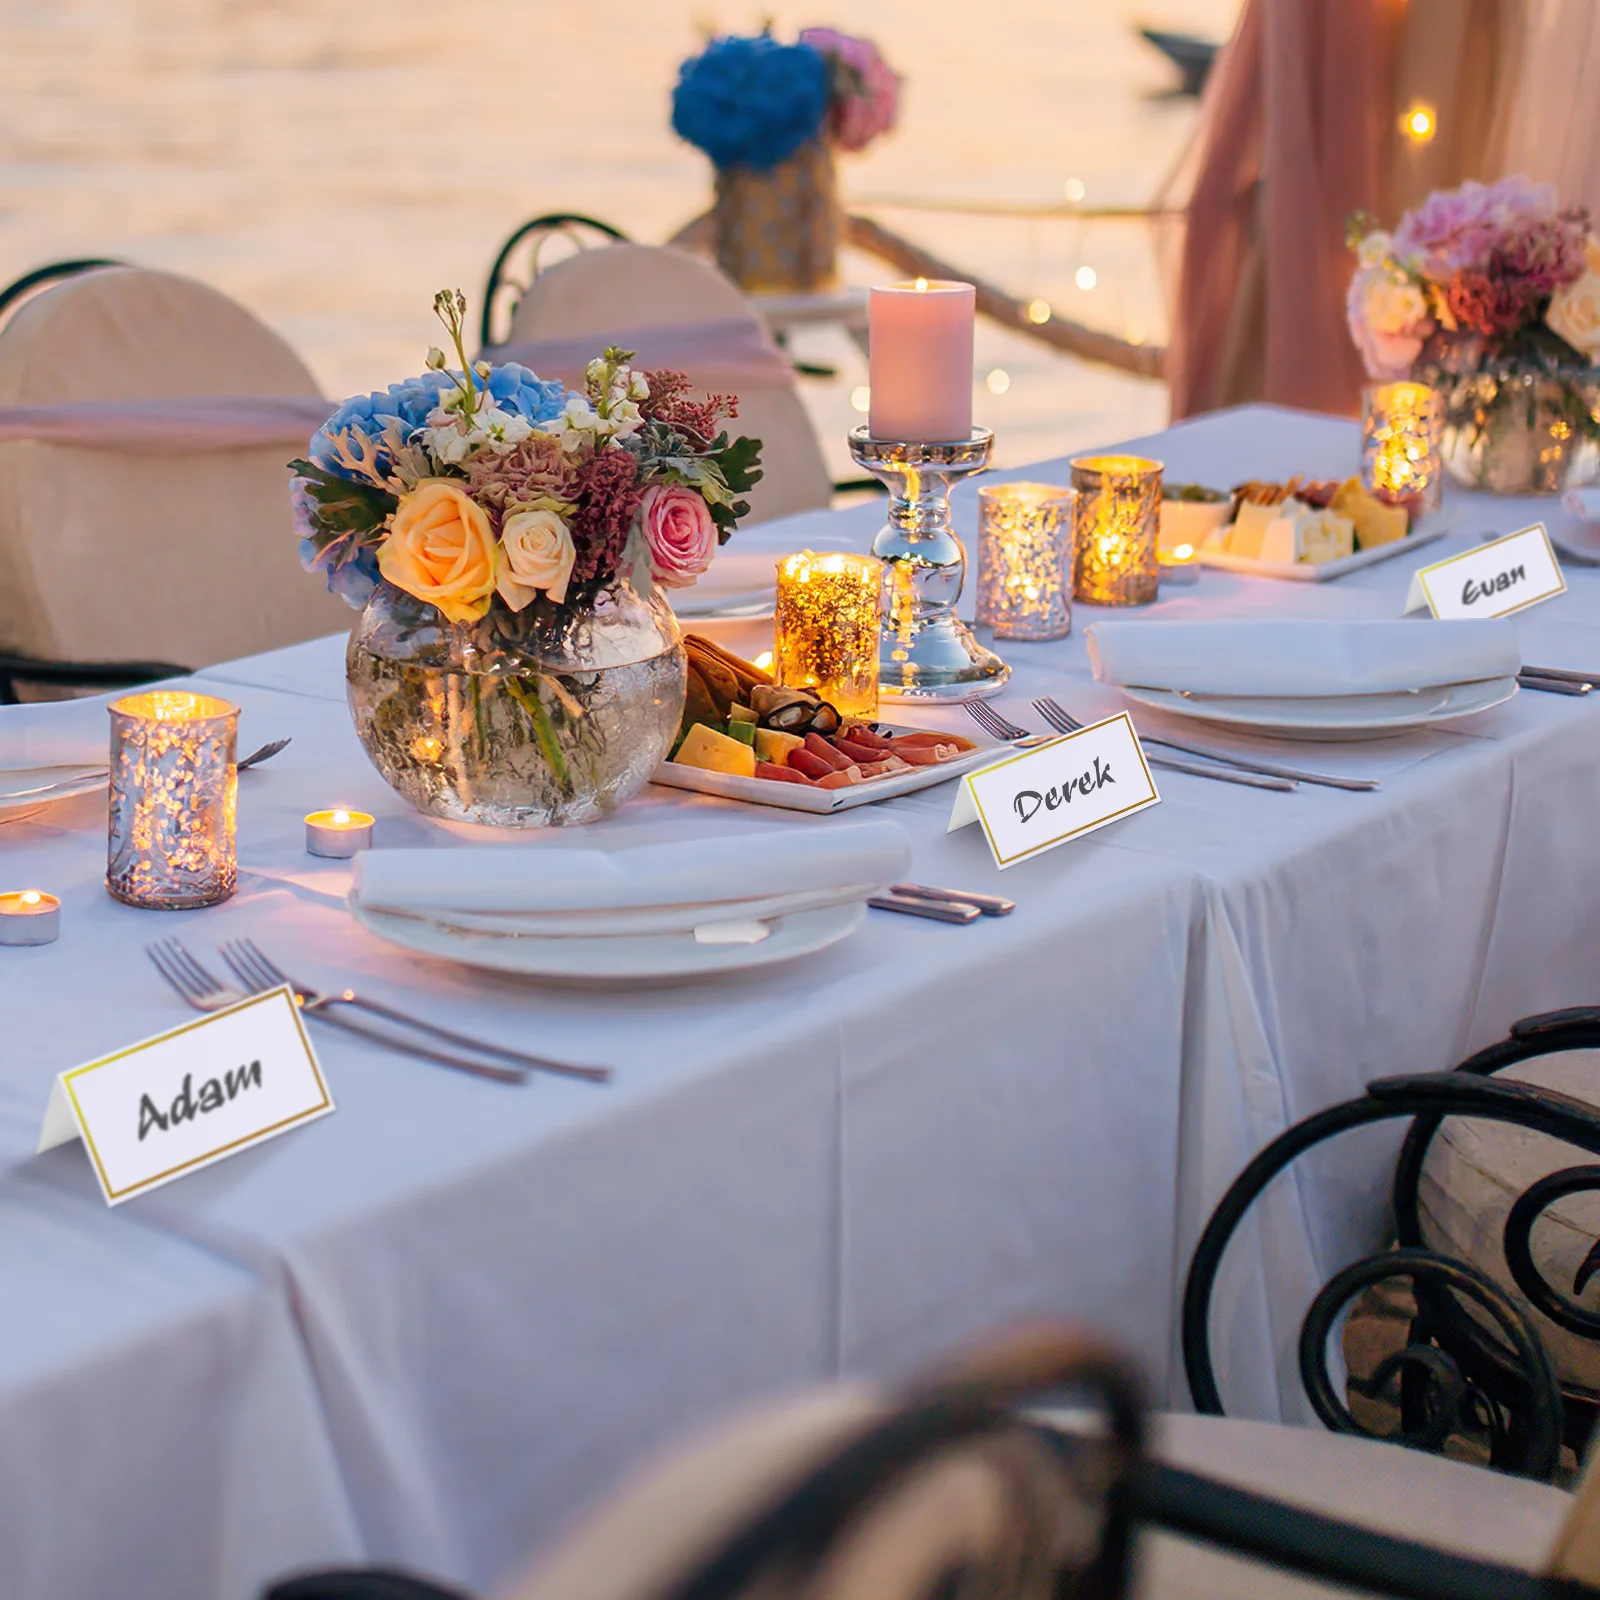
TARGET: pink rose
(680,533)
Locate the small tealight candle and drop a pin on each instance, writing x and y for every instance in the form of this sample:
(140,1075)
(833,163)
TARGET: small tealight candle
(1400,461)
(29,916)
(339,834)
(1180,564)
(826,627)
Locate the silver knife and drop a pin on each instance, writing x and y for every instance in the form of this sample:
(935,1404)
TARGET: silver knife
(933,910)
(991,905)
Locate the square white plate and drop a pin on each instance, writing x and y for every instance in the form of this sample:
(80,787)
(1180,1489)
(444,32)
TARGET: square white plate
(1429,528)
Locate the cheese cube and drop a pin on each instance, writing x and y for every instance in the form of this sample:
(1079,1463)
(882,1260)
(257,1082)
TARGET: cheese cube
(1375,522)
(1249,527)
(1300,533)
(715,752)
(774,746)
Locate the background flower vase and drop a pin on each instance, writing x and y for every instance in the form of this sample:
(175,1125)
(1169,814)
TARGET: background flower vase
(1509,430)
(777,232)
(555,719)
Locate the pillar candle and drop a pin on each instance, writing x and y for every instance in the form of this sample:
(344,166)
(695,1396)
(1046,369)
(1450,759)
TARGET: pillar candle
(920,344)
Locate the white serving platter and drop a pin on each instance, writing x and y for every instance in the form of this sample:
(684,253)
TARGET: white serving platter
(1354,716)
(609,962)
(1324,572)
(824,802)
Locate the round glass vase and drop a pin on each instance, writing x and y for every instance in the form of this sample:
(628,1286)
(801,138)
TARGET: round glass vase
(543,718)
(1511,430)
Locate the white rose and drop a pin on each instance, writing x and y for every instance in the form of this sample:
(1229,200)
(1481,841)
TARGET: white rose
(1395,307)
(536,554)
(1574,311)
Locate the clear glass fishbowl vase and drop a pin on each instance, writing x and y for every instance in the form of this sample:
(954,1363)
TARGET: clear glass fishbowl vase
(549,717)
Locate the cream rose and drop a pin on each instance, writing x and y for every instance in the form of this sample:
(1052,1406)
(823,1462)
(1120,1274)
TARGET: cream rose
(441,549)
(1574,311)
(536,553)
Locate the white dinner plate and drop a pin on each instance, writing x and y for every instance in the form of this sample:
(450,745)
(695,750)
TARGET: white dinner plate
(824,802)
(16,782)
(615,962)
(1353,716)
(1430,528)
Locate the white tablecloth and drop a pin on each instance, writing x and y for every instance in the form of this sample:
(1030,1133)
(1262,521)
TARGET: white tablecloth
(846,1164)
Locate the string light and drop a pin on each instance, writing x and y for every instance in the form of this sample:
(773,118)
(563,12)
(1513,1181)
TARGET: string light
(998,381)
(1038,312)
(861,398)
(1075,190)
(1086,277)
(1419,123)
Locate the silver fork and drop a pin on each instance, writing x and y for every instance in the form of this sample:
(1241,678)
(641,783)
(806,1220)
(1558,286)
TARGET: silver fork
(254,759)
(252,966)
(1055,713)
(1001,727)
(202,991)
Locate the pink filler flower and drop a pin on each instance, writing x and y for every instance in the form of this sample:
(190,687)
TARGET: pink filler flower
(857,117)
(680,534)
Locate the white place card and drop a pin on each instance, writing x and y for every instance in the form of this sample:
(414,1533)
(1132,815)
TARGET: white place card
(1505,575)
(175,1103)
(1040,798)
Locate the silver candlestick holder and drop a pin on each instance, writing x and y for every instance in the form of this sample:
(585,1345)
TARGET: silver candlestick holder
(927,652)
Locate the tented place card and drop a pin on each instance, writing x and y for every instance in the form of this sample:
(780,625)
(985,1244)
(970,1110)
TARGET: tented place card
(1493,580)
(180,1101)
(1040,798)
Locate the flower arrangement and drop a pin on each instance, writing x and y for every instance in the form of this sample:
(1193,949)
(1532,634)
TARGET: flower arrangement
(1476,275)
(485,491)
(753,101)
(1490,294)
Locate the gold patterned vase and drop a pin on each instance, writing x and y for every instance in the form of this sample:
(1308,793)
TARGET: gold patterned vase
(777,231)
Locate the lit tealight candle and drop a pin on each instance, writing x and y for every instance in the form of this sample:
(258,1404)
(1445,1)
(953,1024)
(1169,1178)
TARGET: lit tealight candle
(29,916)
(340,834)
(1180,564)
(826,626)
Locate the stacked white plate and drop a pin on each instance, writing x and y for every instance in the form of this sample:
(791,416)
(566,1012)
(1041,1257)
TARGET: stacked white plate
(656,914)
(1310,679)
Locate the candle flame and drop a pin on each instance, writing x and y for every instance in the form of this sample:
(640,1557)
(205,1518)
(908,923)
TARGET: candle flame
(922,284)
(31,897)
(341,819)
(1183,551)
(764,661)
(1420,123)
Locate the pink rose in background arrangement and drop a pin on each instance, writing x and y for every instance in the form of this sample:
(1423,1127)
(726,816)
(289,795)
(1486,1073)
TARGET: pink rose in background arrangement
(866,90)
(680,534)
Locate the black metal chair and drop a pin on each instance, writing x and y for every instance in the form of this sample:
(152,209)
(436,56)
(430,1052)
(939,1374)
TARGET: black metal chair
(43,277)
(1473,1363)
(502,291)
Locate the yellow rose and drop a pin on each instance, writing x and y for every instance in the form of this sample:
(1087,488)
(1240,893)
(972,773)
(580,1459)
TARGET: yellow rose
(441,549)
(536,552)
(1574,311)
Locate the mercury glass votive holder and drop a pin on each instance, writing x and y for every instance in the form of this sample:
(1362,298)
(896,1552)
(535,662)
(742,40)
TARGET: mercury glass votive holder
(173,794)
(825,634)
(1116,519)
(1400,458)
(1024,544)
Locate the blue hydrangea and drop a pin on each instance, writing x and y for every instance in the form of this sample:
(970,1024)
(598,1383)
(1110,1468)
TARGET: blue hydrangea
(352,580)
(751,102)
(513,388)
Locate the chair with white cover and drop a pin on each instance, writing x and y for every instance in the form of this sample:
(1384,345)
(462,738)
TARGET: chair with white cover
(677,311)
(143,536)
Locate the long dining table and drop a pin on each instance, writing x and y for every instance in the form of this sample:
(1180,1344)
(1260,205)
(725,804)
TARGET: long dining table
(429,1327)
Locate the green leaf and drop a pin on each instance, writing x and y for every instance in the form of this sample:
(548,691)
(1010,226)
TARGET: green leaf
(739,462)
(344,506)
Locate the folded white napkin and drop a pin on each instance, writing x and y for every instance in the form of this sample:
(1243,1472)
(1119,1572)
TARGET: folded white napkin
(654,889)
(1301,657)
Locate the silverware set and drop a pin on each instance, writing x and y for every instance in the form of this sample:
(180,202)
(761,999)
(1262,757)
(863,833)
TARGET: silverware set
(1192,759)
(84,775)
(254,973)
(1557,680)
(941,905)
